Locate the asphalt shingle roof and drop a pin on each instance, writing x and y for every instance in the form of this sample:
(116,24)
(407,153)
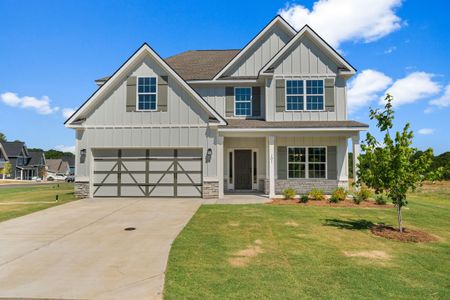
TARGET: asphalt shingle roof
(13,149)
(243,123)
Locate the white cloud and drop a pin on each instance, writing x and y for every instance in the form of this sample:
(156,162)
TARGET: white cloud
(365,88)
(390,50)
(416,86)
(428,110)
(64,148)
(338,21)
(444,100)
(425,131)
(41,106)
(67,112)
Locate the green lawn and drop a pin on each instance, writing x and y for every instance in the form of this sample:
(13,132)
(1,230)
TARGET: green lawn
(303,252)
(38,195)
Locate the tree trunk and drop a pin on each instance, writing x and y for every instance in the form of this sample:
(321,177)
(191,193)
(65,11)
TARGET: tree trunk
(399,218)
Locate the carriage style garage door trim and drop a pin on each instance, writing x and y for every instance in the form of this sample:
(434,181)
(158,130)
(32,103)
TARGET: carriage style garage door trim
(148,173)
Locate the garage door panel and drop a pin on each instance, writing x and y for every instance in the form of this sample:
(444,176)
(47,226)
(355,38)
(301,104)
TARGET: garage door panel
(163,191)
(147,172)
(102,178)
(133,178)
(132,191)
(105,191)
(189,191)
(189,178)
(190,165)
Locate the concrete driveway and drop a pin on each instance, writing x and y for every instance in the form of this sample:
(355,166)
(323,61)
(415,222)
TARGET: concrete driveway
(80,250)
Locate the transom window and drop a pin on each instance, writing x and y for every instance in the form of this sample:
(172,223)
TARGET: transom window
(297,91)
(242,101)
(306,162)
(146,93)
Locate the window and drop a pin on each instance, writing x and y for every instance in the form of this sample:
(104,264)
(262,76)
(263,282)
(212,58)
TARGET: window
(314,94)
(146,93)
(296,162)
(242,101)
(299,90)
(317,162)
(306,162)
(295,94)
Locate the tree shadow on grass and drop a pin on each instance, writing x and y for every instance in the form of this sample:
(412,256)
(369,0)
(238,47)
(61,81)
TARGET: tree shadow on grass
(349,224)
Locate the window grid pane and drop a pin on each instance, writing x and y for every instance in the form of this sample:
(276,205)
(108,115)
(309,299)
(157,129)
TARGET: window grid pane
(243,100)
(314,92)
(295,95)
(146,93)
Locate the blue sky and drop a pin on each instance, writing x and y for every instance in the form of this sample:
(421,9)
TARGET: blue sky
(51,52)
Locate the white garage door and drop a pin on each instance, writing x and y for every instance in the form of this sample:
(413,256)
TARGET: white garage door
(148,173)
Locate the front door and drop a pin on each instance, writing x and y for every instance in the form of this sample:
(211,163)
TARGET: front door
(243,169)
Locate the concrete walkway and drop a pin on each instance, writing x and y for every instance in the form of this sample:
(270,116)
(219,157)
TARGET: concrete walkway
(80,250)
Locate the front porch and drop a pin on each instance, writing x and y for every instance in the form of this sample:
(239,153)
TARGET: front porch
(266,163)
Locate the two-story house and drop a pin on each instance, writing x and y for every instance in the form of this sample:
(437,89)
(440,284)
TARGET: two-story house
(25,164)
(198,124)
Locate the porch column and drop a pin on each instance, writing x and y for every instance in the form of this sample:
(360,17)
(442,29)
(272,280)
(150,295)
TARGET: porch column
(220,158)
(356,150)
(21,174)
(271,164)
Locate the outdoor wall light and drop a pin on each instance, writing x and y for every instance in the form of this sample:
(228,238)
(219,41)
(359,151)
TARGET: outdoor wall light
(208,154)
(82,152)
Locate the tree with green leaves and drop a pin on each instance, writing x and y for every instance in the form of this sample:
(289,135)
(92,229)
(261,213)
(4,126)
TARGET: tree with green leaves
(2,137)
(392,166)
(7,168)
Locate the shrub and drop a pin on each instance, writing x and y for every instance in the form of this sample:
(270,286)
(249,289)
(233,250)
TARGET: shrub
(317,194)
(339,194)
(361,195)
(304,199)
(380,200)
(289,193)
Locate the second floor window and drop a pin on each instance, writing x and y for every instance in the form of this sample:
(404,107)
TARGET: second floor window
(304,95)
(146,93)
(242,101)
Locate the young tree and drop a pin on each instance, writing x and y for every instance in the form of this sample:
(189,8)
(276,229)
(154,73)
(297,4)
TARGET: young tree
(7,168)
(392,166)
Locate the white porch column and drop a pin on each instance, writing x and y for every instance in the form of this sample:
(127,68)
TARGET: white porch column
(21,174)
(356,150)
(271,164)
(220,158)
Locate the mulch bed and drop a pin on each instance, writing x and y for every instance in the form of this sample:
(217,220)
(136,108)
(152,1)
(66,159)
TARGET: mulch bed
(414,236)
(345,203)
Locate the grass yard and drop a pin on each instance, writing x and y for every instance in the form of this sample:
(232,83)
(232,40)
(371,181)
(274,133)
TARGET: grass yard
(298,252)
(36,198)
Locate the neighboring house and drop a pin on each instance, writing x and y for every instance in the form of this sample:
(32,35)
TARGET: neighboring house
(25,164)
(37,163)
(3,158)
(57,166)
(198,124)
(71,161)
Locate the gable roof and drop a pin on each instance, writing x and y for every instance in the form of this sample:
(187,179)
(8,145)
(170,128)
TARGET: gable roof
(145,49)
(306,30)
(57,165)
(36,158)
(196,64)
(69,159)
(278,20)
(3,153)
(13,149)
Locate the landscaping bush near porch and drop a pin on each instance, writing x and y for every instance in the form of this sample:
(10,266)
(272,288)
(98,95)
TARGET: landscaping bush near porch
(298,252)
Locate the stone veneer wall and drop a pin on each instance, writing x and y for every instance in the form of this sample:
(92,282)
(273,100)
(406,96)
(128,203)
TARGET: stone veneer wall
(81,189)
(210,189)
(304,186)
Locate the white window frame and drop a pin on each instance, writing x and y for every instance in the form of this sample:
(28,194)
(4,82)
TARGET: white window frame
(305,94)
(155,93)
(307,162)
(251,100)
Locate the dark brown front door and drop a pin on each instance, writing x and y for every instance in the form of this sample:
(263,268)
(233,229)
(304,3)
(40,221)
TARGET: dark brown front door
(243,169)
